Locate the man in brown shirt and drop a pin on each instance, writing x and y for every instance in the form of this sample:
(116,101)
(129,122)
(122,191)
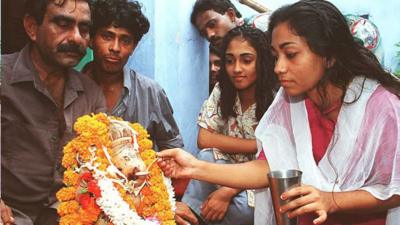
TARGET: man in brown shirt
(41,97)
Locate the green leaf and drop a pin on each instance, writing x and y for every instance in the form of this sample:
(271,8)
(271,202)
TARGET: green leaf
(83,190)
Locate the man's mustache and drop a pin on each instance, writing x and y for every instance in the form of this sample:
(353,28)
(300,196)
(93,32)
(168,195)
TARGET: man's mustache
(71,47)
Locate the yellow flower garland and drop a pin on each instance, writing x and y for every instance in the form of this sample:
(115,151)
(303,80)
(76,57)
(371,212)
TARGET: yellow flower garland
(92,130)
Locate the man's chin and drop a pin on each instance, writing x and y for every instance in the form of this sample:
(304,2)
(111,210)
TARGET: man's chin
(217,43)
(112,69)
(68,64)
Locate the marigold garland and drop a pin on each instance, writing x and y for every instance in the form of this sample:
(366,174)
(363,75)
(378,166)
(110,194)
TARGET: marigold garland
(88,183)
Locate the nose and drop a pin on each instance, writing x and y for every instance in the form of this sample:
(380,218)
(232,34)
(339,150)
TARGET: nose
(237,67)
(210,33)
(77,37)
(280,66)
(214,67)
(114,46)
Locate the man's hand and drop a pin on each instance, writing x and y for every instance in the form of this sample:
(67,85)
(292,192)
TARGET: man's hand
(6,214)
(217,204)
(183,215)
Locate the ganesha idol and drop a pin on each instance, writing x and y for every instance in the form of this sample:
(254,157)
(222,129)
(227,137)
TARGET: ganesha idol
(126,157)
(112,177)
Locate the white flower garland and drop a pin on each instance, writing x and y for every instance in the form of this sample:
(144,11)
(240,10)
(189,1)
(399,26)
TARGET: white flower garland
(115,207)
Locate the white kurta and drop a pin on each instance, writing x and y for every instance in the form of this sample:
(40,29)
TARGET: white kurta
(364,152)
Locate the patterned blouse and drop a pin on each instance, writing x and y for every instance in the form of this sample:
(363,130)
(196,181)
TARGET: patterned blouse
(241,126)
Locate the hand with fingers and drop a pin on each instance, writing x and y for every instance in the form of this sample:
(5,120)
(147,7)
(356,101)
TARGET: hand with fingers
(307,199)
(176,163)
(184,215)
(6,214)
(216,205)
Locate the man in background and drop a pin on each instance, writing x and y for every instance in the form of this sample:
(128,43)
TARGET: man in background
(214,66)
(118,26)
(214,18)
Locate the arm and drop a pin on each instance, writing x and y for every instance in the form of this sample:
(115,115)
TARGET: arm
(227,144)
(324,203)
(6,214)
(183,214)
(177,163)
(217,203)
(166,130)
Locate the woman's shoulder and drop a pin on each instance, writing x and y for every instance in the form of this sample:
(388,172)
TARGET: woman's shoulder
(384,103)
(384,98)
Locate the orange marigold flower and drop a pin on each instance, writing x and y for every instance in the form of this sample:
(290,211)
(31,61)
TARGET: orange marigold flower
(169,222)
(71,178)
(66,194)
(88,216)
(68,207)
(102,118)
(145,144)
(69,160)
(70,219)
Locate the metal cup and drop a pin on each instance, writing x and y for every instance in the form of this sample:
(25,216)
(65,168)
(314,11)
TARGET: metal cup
(279,182)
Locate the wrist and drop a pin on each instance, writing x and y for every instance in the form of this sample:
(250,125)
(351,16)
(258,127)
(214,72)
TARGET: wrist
(198,167)
(333,206)
(231,192)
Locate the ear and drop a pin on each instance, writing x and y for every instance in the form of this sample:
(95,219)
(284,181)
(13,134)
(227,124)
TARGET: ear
(31,27)
(231,14)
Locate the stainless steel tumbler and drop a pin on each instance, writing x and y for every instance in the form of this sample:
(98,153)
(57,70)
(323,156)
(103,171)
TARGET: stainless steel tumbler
(279,182)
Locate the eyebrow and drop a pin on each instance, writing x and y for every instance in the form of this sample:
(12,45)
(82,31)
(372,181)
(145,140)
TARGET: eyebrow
(70,19)
(65,18)
(283,45)
(243,54)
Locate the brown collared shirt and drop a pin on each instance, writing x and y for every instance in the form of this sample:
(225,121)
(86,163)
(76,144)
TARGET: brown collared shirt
(34,130)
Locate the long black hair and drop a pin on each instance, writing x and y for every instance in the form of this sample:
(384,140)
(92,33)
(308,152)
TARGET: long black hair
(327,34)
(265,82)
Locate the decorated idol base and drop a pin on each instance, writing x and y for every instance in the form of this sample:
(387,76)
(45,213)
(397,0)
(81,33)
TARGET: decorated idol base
(111,176)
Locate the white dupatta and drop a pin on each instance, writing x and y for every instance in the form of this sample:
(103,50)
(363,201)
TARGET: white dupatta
(360,146)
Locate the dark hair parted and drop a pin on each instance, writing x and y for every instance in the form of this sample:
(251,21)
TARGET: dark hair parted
(265,83)
(120,13)
(219,6)
(37,8)
(327,34)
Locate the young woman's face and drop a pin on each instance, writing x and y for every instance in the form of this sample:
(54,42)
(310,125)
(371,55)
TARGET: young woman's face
(297,67)
(240,63)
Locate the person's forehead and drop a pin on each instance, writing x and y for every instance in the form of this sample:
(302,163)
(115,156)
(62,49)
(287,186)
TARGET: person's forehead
(203,17)
(214,56)
(76,9)
(239,45)
(121,31)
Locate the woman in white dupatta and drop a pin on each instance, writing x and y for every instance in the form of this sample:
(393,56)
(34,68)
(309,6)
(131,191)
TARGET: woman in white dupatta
(354,178)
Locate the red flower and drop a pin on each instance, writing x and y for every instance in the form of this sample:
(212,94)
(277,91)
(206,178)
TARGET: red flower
(84,200)
(94,188)
(86,176)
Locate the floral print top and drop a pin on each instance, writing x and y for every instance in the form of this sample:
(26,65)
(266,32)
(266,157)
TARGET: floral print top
(241,126)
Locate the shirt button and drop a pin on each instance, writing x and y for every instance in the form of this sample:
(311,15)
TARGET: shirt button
(53,138)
